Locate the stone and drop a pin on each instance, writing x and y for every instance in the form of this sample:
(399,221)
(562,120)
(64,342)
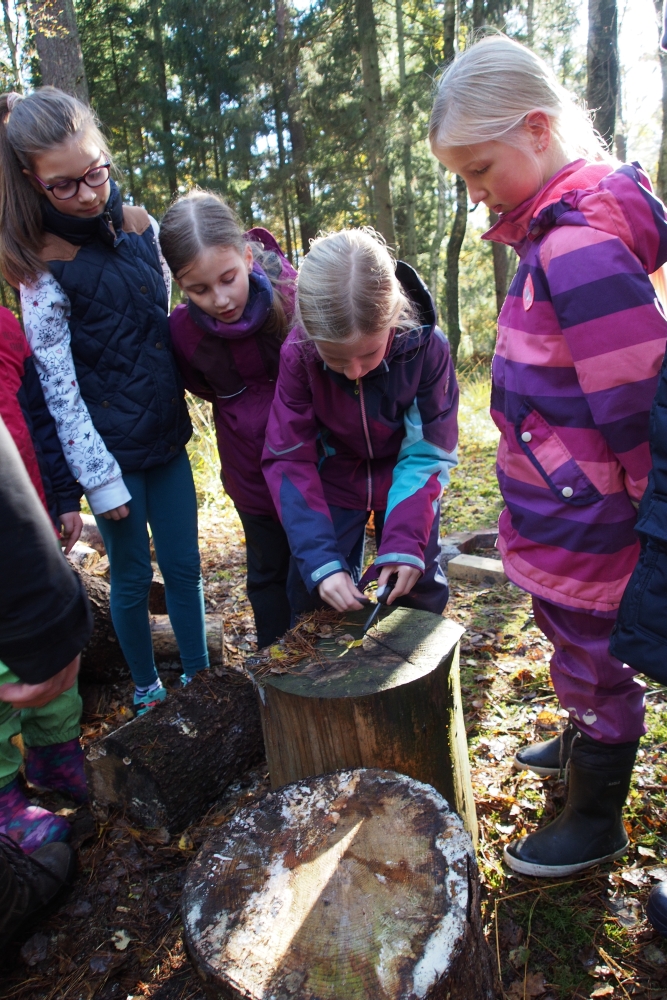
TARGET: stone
(476,569)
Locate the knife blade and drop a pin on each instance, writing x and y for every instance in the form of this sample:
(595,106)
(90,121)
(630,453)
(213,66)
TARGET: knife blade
(382,596)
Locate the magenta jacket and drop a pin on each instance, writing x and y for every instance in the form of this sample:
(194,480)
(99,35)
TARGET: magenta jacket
(235,367)
(581,338)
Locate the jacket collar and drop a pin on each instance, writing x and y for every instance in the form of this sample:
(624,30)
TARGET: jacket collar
(524,220)
(107,227)
(254,316)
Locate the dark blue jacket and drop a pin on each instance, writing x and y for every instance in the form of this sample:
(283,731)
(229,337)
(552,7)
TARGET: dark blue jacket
(640,634)
(110,269)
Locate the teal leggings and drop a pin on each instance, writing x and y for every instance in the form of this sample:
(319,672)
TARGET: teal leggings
(57,722)
(164,498)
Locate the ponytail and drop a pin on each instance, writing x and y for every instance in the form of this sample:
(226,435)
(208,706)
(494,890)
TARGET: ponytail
(29,126)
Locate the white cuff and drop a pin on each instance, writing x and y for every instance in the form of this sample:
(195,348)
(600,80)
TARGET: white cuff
(106,497)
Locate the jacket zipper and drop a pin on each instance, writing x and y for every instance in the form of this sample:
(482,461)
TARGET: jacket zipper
(369,480)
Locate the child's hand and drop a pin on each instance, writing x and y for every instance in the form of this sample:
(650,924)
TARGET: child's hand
(22,695)
(407,577)
(117,513)
(70,530)
(339,591)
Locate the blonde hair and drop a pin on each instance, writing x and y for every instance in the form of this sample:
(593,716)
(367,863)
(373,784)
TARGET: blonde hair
(30,126)
(201,220)
(487,91)
(348,288)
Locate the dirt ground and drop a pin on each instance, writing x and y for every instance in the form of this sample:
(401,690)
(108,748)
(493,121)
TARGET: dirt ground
(117,932)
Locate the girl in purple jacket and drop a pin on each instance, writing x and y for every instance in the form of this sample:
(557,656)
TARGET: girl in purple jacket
(581,339)
(226,339)
(363,420)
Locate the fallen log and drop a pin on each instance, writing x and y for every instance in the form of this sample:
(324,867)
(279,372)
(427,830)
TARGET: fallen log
(165,768)
(361,884)
(82,556)
(102,660)
(391,699)
(91,535)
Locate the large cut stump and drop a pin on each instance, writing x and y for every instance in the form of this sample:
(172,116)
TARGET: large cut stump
(102,660)
(360,885)
(165,768)
(394,701)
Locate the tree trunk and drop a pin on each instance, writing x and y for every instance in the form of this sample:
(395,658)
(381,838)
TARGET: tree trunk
(102,660)
(288,59)
(350,886)
(454,245)
(167,767)
(449,31)
(392,702)
(12,46)
(530,23)
(283,186)
(501,266)
(166,138)
(375,114)
(438,236)
(661,185)
(58,46)
(602,65)
(409,244)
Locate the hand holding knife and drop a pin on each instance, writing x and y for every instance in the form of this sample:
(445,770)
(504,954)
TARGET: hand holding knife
(382,594)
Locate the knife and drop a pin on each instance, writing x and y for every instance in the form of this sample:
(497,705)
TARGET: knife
(382,596)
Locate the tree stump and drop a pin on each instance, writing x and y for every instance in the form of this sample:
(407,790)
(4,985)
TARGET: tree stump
(360,885)
(392,702)
(102,660)
(165,768)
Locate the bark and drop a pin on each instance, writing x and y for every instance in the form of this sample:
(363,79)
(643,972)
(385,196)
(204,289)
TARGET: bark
(355,885)
(284,198)
(12,46)
(167,767)
(374,112)
(501,266)
(393,703)
(661,185)
(530,23)
(58,46)
(438,236)
(288,61)
(602,65)
(166,137)
(449,31)
(409,244)
(454,245)
(129,166)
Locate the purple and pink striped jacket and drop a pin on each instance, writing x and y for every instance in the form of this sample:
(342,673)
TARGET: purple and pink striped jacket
(581,338)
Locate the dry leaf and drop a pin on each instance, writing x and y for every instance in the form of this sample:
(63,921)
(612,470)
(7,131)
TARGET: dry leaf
(185,843)
(547,719)
(344,639)
(120,940)
(277,653)
(646,852)
(534,986)
(603,991)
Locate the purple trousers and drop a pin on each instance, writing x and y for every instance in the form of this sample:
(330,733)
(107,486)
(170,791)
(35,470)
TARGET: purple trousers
(604,698)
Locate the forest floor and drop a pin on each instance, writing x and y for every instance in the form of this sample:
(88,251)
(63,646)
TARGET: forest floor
(117,933)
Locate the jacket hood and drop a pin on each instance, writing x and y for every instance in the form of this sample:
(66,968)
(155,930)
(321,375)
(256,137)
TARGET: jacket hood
(418,293)
(620,202)
(81,231)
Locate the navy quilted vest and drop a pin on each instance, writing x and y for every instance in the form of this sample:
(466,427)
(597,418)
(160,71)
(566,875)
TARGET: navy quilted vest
(110,269)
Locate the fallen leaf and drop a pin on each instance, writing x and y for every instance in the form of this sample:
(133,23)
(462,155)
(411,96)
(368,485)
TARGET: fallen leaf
(277,653)
(533,986)
(627,910)
(547,719)
(120,939)
(357,642)
(646,852)
(519,956)
(344,639)
(603,991)
(185,843)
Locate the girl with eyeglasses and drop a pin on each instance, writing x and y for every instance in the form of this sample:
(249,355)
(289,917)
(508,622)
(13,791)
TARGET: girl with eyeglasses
(95,300)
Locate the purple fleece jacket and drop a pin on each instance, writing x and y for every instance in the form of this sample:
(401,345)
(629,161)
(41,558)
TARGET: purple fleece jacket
(235,366)
(383,442)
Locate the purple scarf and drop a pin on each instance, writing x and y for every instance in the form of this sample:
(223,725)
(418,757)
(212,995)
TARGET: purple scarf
(253,317)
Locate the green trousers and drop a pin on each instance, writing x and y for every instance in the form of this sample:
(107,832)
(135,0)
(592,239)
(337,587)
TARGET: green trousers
(57,722)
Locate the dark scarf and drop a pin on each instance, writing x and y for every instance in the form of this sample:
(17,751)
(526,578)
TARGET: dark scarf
(253,317)
(79,231)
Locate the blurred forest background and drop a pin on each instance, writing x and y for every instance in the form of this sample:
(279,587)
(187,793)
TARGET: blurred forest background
(314,116)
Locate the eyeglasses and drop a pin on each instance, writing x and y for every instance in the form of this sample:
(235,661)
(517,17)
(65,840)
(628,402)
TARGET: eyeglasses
(64,190)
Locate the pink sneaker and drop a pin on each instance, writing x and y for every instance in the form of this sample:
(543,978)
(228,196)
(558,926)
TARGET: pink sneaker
(28,826)
(58,768)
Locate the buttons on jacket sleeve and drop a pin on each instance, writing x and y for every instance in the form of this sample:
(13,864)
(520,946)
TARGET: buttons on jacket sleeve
(526,436)
(567,492)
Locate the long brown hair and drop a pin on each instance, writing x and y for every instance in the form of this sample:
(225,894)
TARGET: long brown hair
(30,126)
(201,220)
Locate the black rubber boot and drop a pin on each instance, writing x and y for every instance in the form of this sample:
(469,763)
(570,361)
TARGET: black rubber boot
(29,882)
(549,758)
(590,829)
(656,908)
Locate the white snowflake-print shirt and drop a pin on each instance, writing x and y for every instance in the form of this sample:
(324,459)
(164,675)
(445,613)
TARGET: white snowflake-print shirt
(46,312)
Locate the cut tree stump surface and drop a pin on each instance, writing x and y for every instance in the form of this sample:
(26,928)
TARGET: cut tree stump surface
(477,569)
(389,699)
(165,768)
(360,885)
